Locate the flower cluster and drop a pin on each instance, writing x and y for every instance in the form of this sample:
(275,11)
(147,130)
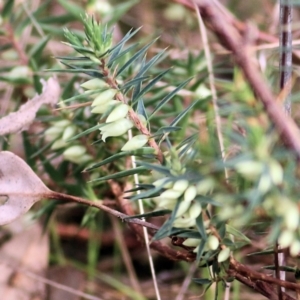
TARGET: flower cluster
(269,174)
(289,212)
(59,133)
(117,122)
(182,197)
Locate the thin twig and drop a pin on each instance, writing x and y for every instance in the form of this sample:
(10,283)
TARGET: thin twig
(286,16)
(286,126)
(254,276)
(146,235)
(215,104)
(237,24)
(123,217)
(212,87)
(277,271)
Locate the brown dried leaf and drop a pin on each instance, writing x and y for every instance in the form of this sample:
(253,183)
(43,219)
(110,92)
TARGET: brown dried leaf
(21,119)
(20,187)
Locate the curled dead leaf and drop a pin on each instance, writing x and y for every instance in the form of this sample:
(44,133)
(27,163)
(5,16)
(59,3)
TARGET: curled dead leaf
(20,187)
(21,119)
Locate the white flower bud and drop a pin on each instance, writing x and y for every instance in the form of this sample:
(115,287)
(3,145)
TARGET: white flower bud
(53,133)
(291,214)
(73,153)
(191,242)
(286,238)
(161,181)
(195,210)
(84,158)
(58,144)
(264,183)
(136,142)
(94,84)
(190,193)
(116,128)
(213,242)
(202,91)
(20,72)
(100,109)
(205,186)
(276,172)
(250,169)
(171,194)
(69,132)
(184,222)
(61,123)
(295,248)
(182,208)
(223,255)
(181,185)
(119,112)
(104,97)
(167,203)
(101,7)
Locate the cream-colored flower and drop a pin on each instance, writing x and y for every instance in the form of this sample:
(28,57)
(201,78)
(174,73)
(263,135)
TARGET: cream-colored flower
(213,242)
(68,132)
(100,109)
(73,153)
(136,142)
(119,112)
(223,255)
(116,128)
(104,97)
(94,84)
(181,185)
(191,242)
(190,193)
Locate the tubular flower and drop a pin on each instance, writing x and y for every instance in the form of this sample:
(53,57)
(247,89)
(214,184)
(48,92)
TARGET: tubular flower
(94,84)
(104,97)
(116,128)
(136,142)
(76,154)
(119,112)
(100,109)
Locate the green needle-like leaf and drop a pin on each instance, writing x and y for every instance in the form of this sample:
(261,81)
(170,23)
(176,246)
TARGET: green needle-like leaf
(86,132)
(72,8)
(168,97)
(127,37)
(107,160)
(119,55)
(121,174)
(149,86)
(237,233)
(156,213)
(159,168)
(200,227)
(90,72)
(135,57)
(7,8)
(183,114)
(133,82)
(150,63)
(202,280)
